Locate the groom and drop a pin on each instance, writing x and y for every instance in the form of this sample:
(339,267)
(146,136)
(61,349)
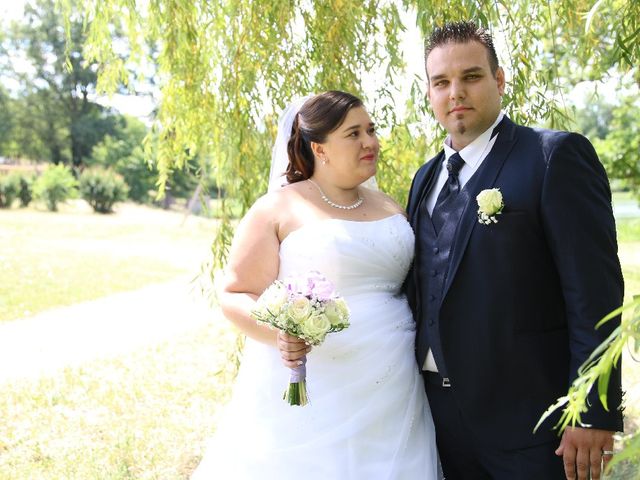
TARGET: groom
(506,299)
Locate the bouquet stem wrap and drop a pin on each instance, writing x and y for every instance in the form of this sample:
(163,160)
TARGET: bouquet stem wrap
(296,392)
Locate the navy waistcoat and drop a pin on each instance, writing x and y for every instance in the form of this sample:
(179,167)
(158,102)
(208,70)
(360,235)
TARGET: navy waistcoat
(433,260)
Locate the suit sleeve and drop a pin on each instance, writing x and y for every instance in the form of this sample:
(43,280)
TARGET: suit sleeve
(409,287)
(580,228)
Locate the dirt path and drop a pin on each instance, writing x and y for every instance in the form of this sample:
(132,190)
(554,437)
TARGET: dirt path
(107,326)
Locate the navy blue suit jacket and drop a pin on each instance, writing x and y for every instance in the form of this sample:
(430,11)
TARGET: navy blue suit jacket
(522,296)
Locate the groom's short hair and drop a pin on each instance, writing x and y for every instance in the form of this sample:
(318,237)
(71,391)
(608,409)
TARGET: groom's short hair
(462,32)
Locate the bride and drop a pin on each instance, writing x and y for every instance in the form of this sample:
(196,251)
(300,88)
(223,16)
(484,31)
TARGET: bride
(368,417)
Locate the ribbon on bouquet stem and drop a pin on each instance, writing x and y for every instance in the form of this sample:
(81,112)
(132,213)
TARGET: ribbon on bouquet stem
(296,392)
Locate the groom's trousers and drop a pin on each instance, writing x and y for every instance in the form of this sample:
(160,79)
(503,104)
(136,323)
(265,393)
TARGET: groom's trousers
(465,456)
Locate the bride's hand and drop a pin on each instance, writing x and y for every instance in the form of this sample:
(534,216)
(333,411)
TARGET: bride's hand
(292,349)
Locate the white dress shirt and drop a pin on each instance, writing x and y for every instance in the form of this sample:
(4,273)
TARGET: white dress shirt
(473,156)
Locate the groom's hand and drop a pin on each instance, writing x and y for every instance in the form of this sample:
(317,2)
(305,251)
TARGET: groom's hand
(582,452)
(292,349)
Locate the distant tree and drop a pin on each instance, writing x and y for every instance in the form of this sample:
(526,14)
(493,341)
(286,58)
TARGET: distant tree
(131,154)
(594,119)
(619,150)
(6,120)
(56,84)
(123,151)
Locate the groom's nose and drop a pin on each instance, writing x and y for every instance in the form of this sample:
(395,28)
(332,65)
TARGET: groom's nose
(456,89)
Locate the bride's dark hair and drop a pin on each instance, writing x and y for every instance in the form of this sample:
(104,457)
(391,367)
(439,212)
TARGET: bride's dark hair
(318,117)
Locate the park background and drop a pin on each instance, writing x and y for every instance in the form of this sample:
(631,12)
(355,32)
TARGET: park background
(134,134)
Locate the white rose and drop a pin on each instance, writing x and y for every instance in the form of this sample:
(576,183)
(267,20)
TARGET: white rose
(315,328)
(299,308)
(337,312)
(343,308)
(490,201)
(274,298)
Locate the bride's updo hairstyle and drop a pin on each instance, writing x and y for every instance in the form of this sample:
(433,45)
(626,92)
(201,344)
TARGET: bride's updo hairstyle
(318,117)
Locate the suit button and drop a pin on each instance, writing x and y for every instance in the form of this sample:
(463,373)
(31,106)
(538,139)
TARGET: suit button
(434,273)
(431,322)
(432,298)
(436,250)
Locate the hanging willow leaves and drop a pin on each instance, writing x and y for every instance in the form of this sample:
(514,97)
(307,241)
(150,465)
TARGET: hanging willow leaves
(227,68)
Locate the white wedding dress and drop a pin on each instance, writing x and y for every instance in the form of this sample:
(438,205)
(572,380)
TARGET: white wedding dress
(368,417)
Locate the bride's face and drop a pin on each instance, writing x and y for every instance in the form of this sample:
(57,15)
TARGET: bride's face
(351,150)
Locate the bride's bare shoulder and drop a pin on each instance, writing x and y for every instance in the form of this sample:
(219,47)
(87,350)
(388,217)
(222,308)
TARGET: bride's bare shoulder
(384,202)
(277,204)
(282,197)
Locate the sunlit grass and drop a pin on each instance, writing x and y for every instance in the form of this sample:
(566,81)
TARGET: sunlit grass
(628,230)
(629,252)
(144,415)
(623,196)
(55,259)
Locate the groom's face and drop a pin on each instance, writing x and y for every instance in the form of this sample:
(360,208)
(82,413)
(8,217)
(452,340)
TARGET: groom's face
(464,94)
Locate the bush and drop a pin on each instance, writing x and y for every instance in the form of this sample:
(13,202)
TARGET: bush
(25,193)
(8,190)
(124,153)
(102,188)
(55,185)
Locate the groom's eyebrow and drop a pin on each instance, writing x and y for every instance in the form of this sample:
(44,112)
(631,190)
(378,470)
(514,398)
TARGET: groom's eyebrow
(466,71)
(472,70)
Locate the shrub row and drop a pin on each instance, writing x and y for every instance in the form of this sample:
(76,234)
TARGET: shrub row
(15,185)
(101,188)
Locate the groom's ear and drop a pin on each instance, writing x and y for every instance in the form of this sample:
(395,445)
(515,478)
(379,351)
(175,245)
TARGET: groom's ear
(499,76)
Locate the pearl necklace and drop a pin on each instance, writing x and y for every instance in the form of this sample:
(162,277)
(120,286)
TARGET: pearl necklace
(335,205)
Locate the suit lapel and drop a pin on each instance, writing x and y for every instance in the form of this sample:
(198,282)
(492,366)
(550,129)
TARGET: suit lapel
(422,186)
(485,178)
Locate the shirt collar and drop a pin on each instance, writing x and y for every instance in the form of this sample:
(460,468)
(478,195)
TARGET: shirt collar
(473,153)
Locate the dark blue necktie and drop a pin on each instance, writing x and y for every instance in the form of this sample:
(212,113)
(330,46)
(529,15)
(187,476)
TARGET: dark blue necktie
(442,209)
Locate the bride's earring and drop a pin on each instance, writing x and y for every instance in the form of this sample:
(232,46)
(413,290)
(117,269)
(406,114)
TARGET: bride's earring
(324,160)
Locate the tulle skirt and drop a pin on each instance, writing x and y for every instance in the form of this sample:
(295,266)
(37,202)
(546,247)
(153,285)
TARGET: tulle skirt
(368,416)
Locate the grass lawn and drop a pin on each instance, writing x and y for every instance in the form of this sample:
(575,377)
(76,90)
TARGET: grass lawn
(146,414)
(140,416)
(629,251)
(54,259)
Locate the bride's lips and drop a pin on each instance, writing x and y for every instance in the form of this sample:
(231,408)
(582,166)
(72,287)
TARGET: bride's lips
(370,157)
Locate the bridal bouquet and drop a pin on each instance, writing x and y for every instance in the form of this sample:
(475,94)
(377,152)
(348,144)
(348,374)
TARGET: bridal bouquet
(307,307)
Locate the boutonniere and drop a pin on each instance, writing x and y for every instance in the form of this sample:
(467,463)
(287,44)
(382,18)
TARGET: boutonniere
(490,204)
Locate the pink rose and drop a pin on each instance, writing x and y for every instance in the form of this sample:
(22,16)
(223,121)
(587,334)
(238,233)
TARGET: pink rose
(320,287)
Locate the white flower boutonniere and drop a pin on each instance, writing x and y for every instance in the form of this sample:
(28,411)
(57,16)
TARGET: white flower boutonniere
(490,204)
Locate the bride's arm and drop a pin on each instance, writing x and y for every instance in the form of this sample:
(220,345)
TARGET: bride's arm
(252,266)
